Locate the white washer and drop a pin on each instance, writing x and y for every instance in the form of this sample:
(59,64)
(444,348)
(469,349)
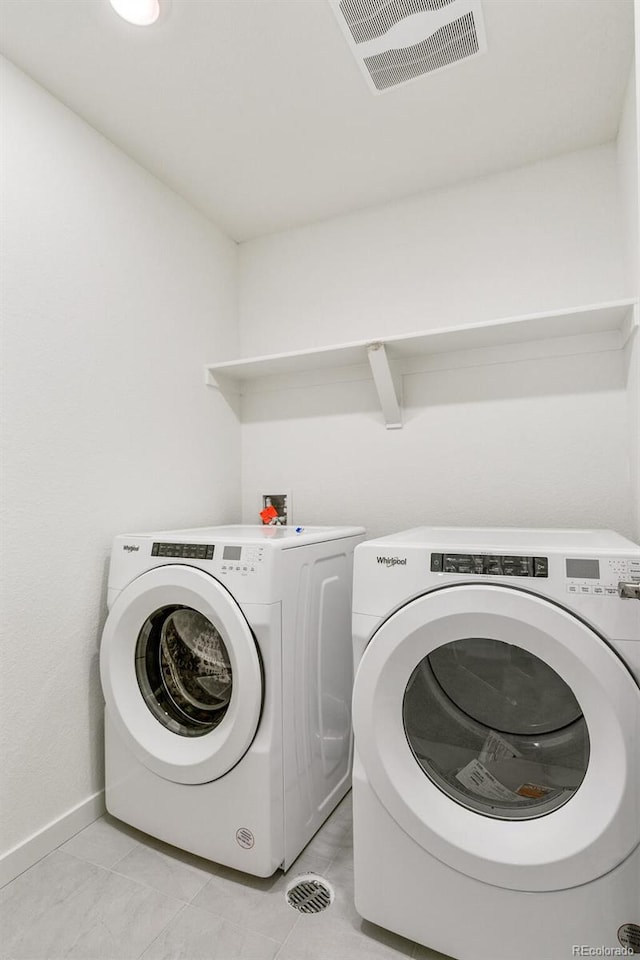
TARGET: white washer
(226,666)
(496,715)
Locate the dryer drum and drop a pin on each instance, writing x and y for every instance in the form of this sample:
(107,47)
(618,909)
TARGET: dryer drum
(496,728)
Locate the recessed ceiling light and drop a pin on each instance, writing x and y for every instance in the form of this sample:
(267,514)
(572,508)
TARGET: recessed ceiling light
(142,13)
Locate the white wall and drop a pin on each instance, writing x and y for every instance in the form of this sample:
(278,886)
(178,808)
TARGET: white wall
(541,237)
(629,166)
(629,175)
(533,442)
(115,294)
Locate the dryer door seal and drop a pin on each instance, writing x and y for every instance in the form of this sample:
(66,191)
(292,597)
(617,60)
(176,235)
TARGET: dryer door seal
(557,846)
(181,674)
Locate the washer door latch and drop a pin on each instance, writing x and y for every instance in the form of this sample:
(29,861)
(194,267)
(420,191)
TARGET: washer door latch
(629,591)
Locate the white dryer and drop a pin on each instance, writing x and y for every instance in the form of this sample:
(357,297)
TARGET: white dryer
(496,715)
(226,666)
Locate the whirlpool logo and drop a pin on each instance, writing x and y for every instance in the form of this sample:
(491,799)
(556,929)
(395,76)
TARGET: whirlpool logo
(130,547)
(393,561)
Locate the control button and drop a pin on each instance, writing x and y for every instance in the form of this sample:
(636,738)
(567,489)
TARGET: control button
(611,591)
(586,588)
(436,563)
(540,567)
(572,588)
(599,590)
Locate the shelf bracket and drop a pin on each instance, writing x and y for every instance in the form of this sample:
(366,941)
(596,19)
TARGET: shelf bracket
(383,380)
(210,378)
(226,386)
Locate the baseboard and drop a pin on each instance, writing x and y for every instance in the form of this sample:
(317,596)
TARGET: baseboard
(20,858)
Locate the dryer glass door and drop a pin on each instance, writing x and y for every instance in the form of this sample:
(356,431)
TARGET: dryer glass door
(500,732)
(496,728)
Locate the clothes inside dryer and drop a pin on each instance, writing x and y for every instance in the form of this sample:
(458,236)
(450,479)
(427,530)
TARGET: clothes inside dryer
(183,670)
(496,728)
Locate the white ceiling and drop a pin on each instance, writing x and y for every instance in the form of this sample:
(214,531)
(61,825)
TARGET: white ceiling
(257,113)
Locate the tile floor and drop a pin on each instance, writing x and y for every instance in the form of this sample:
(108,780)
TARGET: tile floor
(111,893)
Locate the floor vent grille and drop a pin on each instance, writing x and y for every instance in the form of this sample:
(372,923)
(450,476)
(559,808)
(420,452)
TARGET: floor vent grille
(309,894)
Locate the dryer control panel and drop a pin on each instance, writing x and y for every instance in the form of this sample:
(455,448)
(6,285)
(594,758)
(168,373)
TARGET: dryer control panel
(489,564)
(600,577)
(582,575)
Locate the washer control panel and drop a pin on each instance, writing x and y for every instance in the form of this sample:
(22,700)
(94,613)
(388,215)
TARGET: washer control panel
(600,577)
(229,559)
(184,551)
(240,560)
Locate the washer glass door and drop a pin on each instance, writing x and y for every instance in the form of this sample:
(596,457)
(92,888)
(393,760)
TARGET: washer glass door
(181,674)
(496,728)
(183,670)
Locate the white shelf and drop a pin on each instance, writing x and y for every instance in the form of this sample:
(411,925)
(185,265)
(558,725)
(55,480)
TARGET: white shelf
(583,329)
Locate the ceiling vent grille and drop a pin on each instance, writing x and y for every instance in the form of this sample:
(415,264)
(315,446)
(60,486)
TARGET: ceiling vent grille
(368,19)
(397,41)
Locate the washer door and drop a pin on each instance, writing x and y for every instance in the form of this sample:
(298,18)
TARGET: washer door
(501,734)
(181,674)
